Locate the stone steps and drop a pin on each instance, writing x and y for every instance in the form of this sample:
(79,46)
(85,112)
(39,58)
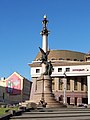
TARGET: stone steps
(55,114)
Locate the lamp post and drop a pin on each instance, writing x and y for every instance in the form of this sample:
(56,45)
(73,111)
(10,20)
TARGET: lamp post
(64,101)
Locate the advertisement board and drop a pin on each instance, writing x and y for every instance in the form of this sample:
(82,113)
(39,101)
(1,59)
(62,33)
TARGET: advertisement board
(13,85)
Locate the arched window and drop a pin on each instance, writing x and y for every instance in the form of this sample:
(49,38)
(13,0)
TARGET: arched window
(53,58)
(68,59)
(75,60)
(61,58)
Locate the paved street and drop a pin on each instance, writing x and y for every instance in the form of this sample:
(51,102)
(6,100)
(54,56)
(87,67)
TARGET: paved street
(55,114)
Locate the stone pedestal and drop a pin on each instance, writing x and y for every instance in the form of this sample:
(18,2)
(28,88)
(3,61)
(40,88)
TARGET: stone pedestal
(44,92)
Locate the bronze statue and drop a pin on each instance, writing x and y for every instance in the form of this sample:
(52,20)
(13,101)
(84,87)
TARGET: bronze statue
(48,69)
(44,56)
(44,59)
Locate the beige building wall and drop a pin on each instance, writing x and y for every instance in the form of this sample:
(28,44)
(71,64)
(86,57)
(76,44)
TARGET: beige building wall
(2,90)
(74,94)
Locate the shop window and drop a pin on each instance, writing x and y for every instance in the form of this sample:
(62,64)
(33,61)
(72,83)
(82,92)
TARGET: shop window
(68,100)
(68,84)
(82,84)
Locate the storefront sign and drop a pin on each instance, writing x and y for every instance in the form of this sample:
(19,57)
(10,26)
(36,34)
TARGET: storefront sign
(78,70)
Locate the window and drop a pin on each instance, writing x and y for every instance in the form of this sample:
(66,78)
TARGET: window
(37,70)
(61,58)
(75,84)
(53,58)
(82,84)
(59,69)
(88,59)
(75,60)
(81,60)
(68,59)
(60,84)
(67,69)
(68,84)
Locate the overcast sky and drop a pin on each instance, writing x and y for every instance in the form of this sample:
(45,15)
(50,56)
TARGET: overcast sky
(21,24)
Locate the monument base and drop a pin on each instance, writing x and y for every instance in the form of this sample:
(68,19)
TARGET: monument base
(43,94)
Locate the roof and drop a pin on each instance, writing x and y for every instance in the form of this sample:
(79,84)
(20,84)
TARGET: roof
(63,55)
(17,74)
(62,58)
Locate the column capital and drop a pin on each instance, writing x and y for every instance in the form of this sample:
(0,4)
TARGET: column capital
(45,30)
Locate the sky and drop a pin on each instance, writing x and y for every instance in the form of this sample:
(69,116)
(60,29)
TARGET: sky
(21,24)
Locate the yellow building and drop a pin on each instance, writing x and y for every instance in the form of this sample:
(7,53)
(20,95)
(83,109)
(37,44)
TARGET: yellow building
(15,89)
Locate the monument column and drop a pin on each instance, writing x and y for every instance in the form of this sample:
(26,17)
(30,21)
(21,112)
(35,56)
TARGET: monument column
(43,96)
(44,34)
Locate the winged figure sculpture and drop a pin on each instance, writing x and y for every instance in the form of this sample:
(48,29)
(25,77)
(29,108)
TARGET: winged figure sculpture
(44,56)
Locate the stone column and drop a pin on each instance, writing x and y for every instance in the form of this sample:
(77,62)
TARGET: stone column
(71,84)
(45,42)
(79,85)
(44,34)
(79,99)
(72,90)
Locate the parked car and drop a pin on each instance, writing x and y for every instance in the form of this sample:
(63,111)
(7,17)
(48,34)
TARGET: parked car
(83,105)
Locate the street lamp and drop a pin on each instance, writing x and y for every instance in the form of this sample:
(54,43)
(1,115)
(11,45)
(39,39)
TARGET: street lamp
(64,81)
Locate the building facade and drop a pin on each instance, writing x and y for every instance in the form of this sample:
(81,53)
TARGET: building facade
(2,89)
(15,89)
(70,78)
